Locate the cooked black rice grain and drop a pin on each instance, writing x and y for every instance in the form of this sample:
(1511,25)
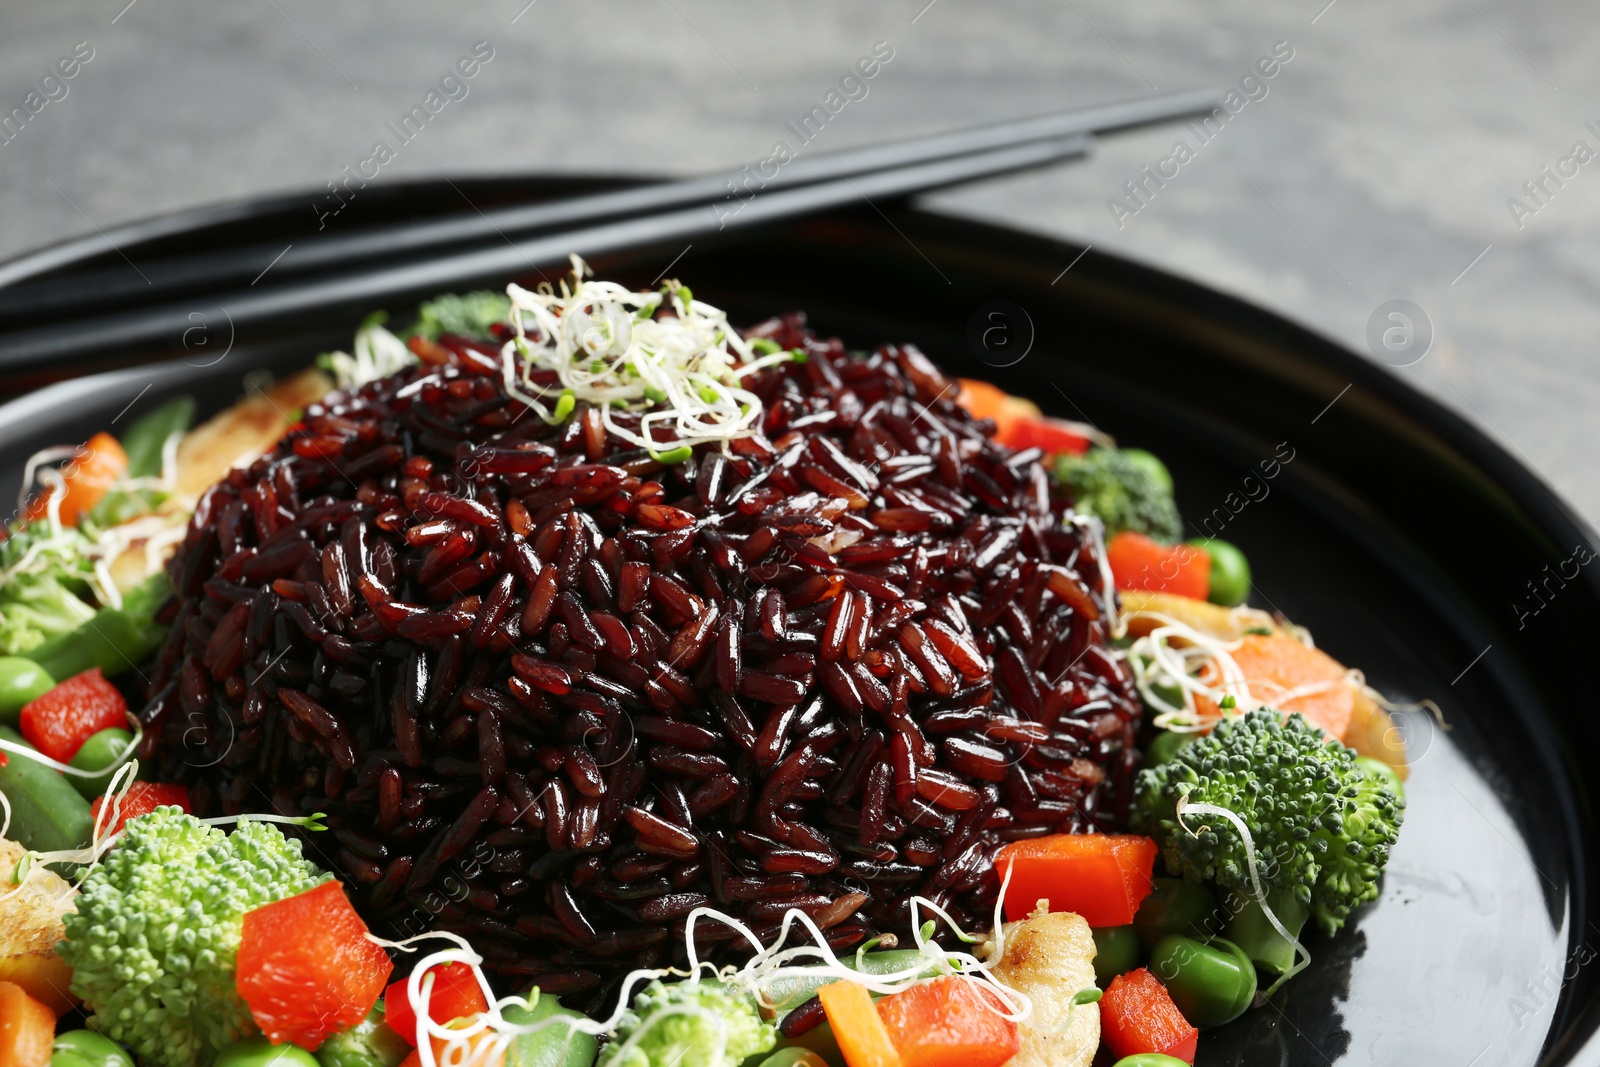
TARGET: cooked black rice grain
(554,696)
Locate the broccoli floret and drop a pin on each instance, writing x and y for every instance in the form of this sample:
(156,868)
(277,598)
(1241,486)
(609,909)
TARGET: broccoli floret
(1126,489)
(466,314)
(1322,825)
(153,943)
(44,585)
(684,1024)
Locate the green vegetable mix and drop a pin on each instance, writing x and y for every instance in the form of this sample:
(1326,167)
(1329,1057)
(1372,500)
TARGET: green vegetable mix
(85,1048)
(47,813)
(21,680)
(1211,982)
(156,932)
(147,437)
(464,314)
(1126,489)
(113,639)
(257,1052)
(1230,571)
(555,1045)
(1177,906)
(44,586)
(369,1043)
(1116,951)
(104,751)
(689,1024)
(1322,825)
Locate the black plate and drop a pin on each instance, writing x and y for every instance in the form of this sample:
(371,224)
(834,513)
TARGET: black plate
(1410,545)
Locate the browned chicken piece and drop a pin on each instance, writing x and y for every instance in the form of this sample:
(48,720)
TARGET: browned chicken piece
(1049,957)
(245,430)
(30,927)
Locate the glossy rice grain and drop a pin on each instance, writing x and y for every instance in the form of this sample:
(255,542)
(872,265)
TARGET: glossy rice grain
(554,696)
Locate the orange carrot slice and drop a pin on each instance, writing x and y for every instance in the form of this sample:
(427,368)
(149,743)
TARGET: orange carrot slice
(27,1028)
(1289,675)
(856,1025)
(85,479)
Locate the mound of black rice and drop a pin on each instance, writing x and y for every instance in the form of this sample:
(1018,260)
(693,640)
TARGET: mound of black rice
(554,695)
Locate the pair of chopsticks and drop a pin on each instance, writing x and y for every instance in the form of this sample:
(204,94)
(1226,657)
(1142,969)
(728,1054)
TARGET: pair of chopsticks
(344,271)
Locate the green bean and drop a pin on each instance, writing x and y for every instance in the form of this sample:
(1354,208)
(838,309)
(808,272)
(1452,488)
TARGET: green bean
(369,1043)
(257,1051)
(85,1048)
(1211,983)
(114,640)
(1116,951)
(147,437)
(786,994)
(47,814)
(1177,906)
(1151,466)
(819,1041)
(104,751)
(21,680)
(1230,571)
(554,1045)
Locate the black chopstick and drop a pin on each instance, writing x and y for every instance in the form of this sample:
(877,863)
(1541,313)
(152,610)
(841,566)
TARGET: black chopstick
(38,348)
(722,196)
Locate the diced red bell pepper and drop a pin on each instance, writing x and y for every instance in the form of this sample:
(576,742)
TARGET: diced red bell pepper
(142,799)
(1137,1015)
(949,1022)
(60,720)
(1052,436)
(1137,562)
(306,967)
(1102,877)
(1018,422)
(456,994)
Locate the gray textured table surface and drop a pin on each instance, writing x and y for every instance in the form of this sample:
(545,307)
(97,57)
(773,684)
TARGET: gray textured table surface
(1378,165)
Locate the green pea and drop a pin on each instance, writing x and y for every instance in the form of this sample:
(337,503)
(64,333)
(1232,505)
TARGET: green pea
(21,680)
(1151,467)
(1166,746)
(1176,906)
(85,1048)
(103,751)
(257,1051)
(1211,983)
(1116,951)
(553,1046)
(1150,1059)
(1230,572)
(369,1043)
(794,1057)
(1376,768)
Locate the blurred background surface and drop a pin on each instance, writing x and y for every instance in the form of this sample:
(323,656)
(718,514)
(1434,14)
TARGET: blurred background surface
(1378,163)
